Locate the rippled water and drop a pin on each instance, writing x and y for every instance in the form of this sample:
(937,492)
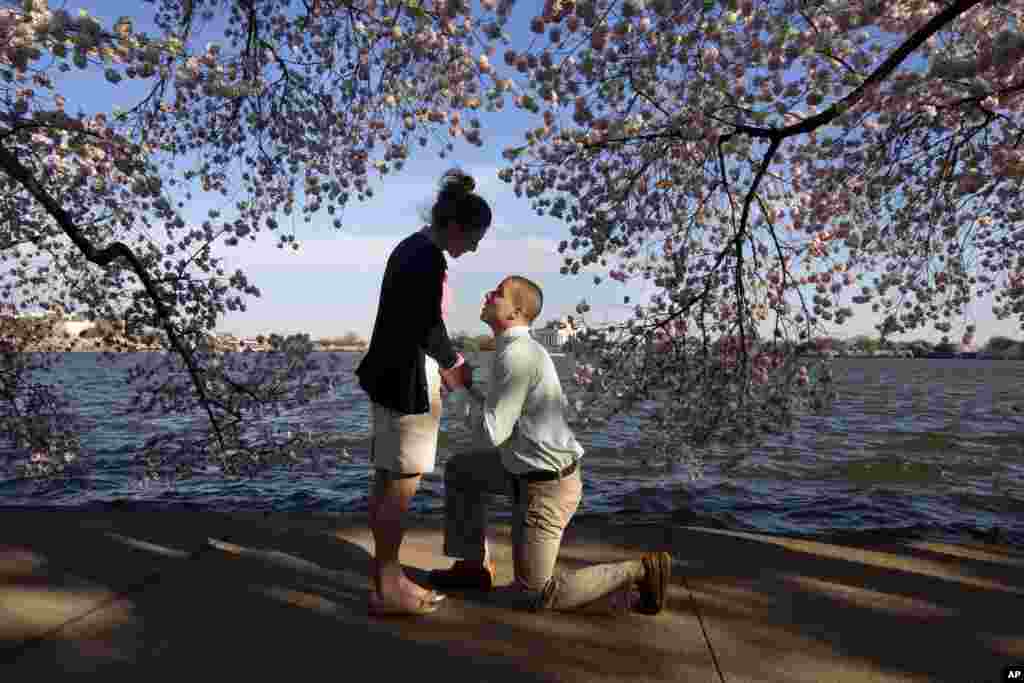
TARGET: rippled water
(924,447)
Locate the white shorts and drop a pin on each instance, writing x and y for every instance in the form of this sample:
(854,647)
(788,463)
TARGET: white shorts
(407,444)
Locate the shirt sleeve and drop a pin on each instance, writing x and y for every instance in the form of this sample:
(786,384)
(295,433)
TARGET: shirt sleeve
(439,346)
(510,383)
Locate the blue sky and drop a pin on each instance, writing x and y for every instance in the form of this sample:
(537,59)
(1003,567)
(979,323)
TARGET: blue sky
(331,285)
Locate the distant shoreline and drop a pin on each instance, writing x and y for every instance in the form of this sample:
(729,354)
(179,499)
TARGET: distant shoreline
(82,348)
(86,347)
(927,356)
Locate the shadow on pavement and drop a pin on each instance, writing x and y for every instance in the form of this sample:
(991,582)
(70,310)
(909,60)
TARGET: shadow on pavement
(144,593)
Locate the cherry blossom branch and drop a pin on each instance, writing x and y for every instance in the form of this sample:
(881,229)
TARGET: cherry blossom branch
(103,258)
(933,26)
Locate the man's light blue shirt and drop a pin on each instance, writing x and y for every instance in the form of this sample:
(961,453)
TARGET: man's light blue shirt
(524,413)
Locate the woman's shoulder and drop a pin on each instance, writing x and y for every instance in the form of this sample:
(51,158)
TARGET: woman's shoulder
(417,257)
(419,246)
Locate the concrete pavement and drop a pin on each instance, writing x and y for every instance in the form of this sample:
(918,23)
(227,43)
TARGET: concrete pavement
(140,592)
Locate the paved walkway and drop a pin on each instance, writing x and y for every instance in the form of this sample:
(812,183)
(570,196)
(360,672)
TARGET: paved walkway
(145,593)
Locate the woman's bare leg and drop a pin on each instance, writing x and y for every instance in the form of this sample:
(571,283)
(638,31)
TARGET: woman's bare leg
(389,501)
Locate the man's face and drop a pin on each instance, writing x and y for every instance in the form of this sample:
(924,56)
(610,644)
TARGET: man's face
(498,304)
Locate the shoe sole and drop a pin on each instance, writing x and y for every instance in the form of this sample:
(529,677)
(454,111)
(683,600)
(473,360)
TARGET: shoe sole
(659,569)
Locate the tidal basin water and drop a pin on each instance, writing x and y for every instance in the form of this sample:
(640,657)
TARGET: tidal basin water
(926,447)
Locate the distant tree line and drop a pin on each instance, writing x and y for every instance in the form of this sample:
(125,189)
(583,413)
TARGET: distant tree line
(347,339)
(1003,347)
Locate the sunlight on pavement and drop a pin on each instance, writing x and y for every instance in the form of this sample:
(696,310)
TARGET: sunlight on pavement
(858,596)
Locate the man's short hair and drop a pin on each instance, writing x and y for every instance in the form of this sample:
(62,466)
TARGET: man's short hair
(526,295)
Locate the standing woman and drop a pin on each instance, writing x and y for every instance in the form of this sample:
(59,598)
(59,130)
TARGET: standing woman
(409,356)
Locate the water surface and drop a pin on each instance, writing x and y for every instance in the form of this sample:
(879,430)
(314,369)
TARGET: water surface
(928,447)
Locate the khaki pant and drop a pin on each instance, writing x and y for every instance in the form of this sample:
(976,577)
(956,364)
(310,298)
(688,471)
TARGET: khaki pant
(541,512)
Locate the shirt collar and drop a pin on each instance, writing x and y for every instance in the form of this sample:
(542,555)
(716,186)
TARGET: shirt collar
(506,337)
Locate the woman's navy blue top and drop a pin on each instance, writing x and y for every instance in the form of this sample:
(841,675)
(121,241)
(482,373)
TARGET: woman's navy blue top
(408,325)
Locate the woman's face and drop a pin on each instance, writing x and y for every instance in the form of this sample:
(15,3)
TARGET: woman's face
(462,239)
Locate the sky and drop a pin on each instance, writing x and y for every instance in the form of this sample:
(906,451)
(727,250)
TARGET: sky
(331,285)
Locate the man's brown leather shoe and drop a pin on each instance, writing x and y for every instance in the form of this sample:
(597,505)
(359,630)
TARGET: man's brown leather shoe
(464,576)
(654,585)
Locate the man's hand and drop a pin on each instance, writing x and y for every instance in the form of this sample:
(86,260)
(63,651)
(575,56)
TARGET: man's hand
(462,376)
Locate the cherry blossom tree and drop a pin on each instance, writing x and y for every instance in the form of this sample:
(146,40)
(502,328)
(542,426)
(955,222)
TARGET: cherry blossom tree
(93,223)
(765,166)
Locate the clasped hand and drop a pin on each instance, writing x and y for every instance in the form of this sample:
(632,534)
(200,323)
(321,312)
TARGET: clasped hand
(461,376)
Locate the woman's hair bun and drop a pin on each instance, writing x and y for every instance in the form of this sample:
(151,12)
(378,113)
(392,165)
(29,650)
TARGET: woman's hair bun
(458,182)
(458,202)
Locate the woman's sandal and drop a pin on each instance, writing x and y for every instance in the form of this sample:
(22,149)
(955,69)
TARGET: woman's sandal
(384,608)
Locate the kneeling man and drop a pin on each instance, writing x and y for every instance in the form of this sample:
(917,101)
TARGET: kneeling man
(533,456)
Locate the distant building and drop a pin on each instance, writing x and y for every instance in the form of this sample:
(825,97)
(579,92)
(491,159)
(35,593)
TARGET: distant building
(557,333)
(225,341)
(72,328)
(252,344)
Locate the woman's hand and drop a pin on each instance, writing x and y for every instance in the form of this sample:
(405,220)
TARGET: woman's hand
(460,376)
